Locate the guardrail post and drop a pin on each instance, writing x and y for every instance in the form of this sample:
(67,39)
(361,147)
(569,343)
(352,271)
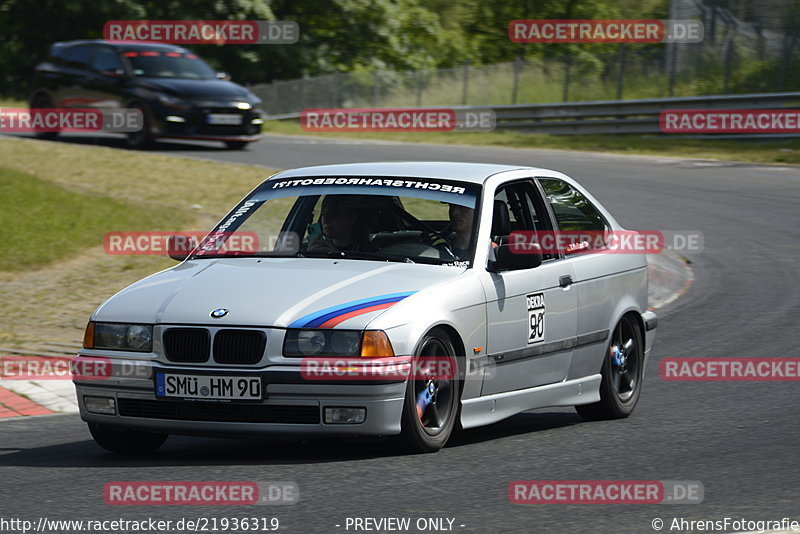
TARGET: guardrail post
(337,89)
(466,84)
(621,75)
(376,91)
(420,76)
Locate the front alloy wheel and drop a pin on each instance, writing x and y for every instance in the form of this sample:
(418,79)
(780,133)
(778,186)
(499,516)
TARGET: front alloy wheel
(432,395)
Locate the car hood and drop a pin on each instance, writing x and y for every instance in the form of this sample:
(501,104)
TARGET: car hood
(282,292)
(199,91)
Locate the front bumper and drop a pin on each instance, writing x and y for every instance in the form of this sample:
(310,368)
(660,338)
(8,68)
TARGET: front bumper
(292,406)
(194,124)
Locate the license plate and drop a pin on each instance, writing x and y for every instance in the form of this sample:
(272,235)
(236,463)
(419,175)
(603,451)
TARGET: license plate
(208,387)
(224,118)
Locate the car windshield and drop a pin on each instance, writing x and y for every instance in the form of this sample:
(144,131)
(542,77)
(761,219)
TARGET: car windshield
(160,64)
(419,220)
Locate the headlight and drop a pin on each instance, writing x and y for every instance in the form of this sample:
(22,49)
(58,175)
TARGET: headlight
(117,336)
(171,101)
(300,343)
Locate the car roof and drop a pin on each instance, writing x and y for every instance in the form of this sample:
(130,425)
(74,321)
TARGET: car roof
(447,170)
(128,45)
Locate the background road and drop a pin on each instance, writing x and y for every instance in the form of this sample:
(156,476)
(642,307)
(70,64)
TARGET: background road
(741,440)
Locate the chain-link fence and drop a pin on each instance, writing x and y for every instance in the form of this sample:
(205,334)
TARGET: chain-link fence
(750,49)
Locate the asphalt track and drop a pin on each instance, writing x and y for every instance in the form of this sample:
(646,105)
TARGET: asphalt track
(741,440)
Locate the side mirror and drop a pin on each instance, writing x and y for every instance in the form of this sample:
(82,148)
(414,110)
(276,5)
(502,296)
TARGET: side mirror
(224,76)
(507,258)
(180,246)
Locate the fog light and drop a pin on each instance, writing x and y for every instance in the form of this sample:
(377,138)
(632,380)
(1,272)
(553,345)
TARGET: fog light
(257,121)
(174,118)
(101,405)
(345,416)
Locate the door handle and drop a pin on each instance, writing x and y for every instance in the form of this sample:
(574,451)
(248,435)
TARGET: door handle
(565,281)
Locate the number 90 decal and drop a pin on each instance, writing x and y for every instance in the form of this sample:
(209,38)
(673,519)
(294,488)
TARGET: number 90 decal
(535,318)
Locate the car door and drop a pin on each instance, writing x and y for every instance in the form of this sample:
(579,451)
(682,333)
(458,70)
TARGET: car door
(75,71)
(600,279)
(105,80)
(531,313)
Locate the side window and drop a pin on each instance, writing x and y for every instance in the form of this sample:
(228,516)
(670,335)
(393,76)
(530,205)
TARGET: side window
(106,60)
(573,211)
(581,222)
(527,211)
(78,57)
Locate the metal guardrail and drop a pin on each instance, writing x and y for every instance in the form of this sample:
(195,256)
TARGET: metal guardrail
(613,116)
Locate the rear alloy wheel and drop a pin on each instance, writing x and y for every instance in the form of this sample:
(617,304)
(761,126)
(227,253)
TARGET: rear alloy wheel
(43,102)
(432,396)
(236,145)
(622,373)
(141,139)
(126,441)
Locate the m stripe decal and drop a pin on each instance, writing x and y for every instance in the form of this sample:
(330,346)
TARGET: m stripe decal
(330,317)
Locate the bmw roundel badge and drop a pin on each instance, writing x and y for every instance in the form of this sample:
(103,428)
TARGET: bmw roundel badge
(219,312)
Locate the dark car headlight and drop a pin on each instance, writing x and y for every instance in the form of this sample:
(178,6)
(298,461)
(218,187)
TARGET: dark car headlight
(300,343)
(119,336)
(172,101)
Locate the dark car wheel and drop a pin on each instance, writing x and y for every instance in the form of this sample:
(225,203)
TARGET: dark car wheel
(42,102)
(432,396)
(622,372)
(143,138)
(236,145)
(126,441)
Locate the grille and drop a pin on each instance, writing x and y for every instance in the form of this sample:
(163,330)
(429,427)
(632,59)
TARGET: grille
(227,413)
(239,346)
(187,344)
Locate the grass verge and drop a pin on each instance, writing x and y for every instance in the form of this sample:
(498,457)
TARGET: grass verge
(41,222)
(774,152)
(66,192)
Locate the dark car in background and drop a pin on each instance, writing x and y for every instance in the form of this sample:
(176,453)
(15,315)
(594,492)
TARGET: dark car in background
(179,94)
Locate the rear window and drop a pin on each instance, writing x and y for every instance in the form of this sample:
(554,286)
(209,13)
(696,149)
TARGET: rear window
(168,64)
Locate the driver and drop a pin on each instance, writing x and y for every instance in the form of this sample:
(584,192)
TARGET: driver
(342,227)
(461,221)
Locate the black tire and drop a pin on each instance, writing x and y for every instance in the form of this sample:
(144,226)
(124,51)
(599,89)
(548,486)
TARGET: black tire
(621,382)
(236,145)
(427,429)
(42,101)
(141,139)
(126,441)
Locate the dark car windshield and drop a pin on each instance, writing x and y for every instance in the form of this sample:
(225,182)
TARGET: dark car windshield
(160,64)
(419,220)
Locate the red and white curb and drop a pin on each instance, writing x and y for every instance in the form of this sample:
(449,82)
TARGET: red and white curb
(38,397)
